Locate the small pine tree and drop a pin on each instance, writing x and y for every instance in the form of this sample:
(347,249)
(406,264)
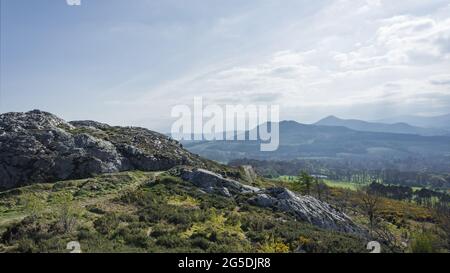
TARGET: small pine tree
(305,181)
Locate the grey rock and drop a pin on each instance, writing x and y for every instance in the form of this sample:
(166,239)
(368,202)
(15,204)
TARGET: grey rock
(39,147)
(215,183)
(306,208)
(303,208)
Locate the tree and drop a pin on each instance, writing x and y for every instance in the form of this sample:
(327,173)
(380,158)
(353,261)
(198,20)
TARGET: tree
(384,235)
(321,188)
(370,205)
(305,181)
(68,212)
(442,214)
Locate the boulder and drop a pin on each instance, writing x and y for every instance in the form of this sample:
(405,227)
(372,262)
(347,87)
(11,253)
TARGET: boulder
(211,182)
(303,208)
(306,208)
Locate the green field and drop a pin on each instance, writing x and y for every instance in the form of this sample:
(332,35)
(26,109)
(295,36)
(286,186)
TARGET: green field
(330,183)
(343,184)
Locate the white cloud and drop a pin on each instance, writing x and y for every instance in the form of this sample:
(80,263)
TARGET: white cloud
(363,59)
(402,40)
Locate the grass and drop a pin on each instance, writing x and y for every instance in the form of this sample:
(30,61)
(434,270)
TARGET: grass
(342,184)
(158,212)
(151,212)
(331,183)
(83,193)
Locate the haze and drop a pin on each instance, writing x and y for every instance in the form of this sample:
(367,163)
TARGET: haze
(129,62)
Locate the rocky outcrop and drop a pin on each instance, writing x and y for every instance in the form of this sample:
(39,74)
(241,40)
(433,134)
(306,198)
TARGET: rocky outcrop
(40,147)
(303,208)
(306,208)
(212,182)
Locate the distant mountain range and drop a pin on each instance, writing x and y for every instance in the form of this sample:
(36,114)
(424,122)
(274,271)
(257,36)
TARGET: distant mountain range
(397,128)
(318,141)
(442,121)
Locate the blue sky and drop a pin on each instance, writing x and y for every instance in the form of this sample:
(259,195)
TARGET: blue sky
(127,62)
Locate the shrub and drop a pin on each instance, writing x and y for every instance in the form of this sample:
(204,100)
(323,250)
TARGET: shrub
(171,241)
(425,242)
(107,224)
(26,246)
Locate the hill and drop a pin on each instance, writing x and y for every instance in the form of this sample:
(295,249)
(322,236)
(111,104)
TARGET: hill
(442,121)
(396,128)
(170,200)
(40,147)
(313,141)
(181,201)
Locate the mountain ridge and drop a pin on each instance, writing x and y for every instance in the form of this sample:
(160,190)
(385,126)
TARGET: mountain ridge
(399,127)
(306,141)
(441,121)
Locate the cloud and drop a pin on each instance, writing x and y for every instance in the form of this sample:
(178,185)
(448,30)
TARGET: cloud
(401,40)
(443,79)
(363,59)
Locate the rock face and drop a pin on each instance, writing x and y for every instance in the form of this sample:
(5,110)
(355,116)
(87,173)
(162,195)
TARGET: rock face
(39,147)
(211,182)
(304,208)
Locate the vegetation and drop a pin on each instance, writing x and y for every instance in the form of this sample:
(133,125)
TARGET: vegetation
(153,212)
(360,172)
(158,212)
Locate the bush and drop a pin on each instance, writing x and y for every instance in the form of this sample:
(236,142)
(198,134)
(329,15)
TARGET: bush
(425,242)
(107,224)
(200,242)
(171,241)
(26,246)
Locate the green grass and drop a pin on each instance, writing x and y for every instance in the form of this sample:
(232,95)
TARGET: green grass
(159,212)
(342,184)
(331,183)
(82,192)
(152,212)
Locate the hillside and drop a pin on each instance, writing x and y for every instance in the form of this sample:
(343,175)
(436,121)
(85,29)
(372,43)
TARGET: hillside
(151,212)
(160,212)
(39,147)
(166,186)
(312,141)
(158,197)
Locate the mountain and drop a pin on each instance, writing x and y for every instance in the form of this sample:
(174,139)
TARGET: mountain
(312,141)
(442,121)
(397,128)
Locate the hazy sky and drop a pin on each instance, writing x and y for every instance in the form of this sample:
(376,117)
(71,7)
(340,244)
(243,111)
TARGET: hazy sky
(129,62)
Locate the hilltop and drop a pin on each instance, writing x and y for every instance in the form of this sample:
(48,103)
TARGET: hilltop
(38,147)
(132,189)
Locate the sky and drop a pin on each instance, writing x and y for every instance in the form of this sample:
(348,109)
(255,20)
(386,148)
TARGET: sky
(129,62)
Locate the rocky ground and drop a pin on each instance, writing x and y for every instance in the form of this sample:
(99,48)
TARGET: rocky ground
(39,147)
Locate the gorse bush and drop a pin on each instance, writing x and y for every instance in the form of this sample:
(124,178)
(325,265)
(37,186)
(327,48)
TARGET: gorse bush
(425,242)
(107,224)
